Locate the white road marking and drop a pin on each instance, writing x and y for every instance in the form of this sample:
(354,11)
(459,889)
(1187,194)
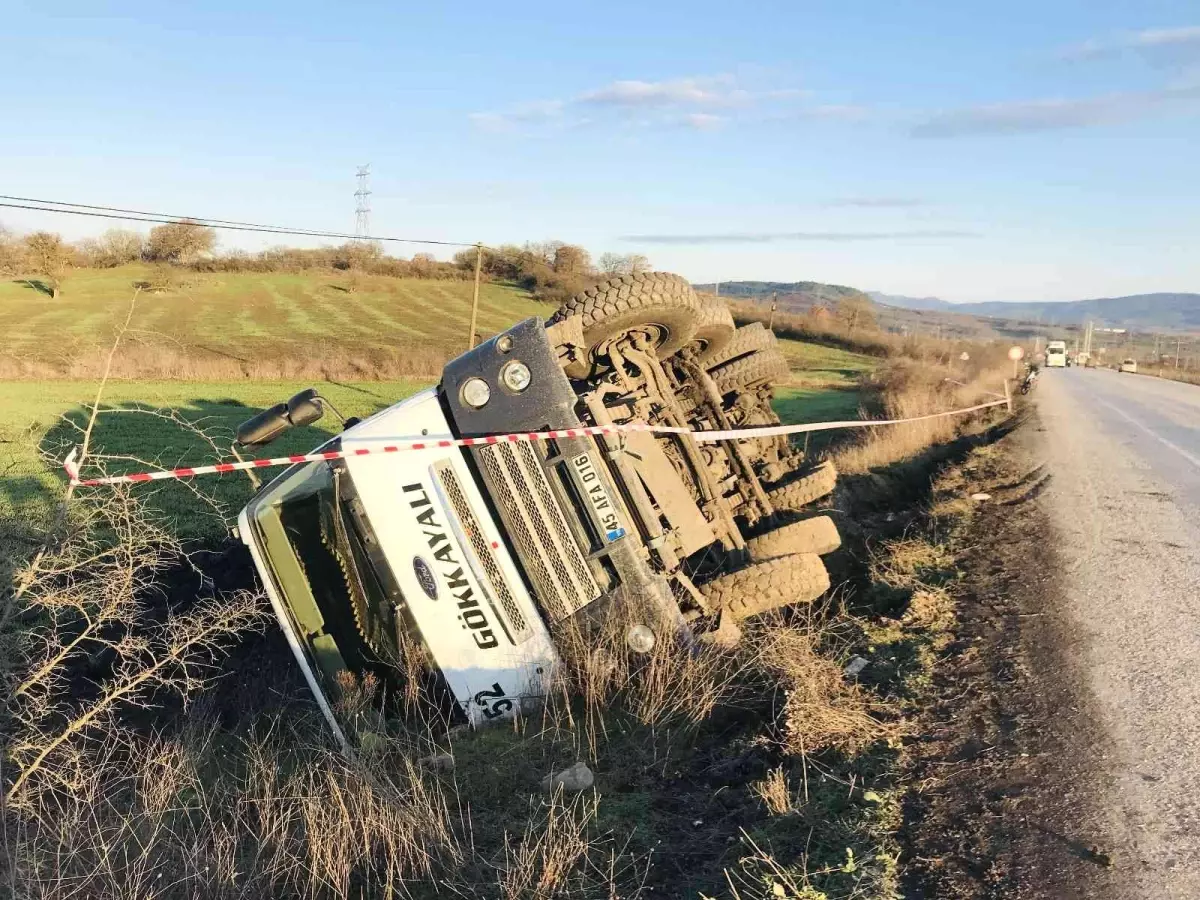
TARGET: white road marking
(1194,460)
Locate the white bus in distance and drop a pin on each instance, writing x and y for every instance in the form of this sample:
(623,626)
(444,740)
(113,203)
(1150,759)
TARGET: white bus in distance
(1056,354)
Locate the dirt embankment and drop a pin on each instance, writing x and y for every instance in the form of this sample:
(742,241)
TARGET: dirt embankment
(1003,798)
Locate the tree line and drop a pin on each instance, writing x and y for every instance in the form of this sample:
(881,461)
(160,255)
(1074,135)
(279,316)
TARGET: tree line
(551,270)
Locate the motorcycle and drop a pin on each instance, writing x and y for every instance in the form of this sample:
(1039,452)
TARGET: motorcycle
(1028,382)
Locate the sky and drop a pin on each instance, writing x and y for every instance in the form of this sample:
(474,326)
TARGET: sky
(967,150)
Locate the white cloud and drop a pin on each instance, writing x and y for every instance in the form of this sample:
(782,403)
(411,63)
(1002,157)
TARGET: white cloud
(698,92)
(771,237)
(1167,37)
(703,121)
(1184,38)
(535,113)
(1053,115)
(875,202)
(699,102)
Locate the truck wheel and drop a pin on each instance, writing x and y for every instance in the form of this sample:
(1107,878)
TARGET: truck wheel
(800,490)
(714,328)
(746,340)
(757,368)
(818,535)
(763,586)
(659,304)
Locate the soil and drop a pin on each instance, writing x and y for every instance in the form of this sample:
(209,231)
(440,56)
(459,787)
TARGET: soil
(1005,796)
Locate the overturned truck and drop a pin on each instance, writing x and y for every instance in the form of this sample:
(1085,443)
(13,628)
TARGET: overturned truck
(463,562)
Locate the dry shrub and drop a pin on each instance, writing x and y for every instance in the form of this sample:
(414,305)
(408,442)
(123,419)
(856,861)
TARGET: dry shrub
(907,389)
(1172,373)
(821,709)
(190,816)
(91,640)
(677,682)
(775,791)
(545,860)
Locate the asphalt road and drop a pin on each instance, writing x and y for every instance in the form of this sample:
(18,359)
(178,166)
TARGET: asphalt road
(1124,455)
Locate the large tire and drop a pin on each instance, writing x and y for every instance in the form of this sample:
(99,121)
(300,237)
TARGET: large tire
(760,367)
(800,490)
(663,305)
(746,340)
(818,535)
(763,586)
(714,328)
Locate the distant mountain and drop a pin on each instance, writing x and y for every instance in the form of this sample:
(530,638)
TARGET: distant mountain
(1171,311)
(925,303)
(1175,311)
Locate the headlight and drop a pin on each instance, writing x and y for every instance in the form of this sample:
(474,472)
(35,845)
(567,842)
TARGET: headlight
(476,393)
(640,638)
(516,376)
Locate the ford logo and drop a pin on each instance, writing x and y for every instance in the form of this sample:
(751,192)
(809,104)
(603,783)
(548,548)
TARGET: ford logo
(425,577)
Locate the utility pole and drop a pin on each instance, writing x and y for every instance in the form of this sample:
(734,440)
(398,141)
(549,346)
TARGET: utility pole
(475,294)
(362,207)
(717,288)
(1178,345)
(774,306)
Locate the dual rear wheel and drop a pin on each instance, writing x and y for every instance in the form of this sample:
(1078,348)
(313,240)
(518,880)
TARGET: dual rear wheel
(660,311)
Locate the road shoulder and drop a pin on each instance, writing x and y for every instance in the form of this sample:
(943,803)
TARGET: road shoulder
(1006,797)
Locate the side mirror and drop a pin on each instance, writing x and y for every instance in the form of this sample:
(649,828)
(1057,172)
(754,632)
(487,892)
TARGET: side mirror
(265,427)
(305,408)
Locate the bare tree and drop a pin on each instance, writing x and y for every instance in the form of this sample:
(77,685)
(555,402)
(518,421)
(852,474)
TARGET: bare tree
(180,242)
(571,261)
(639,264)
(614,264)
(12,253)
(48,255)
(856,311)
(424,264)
(119,246)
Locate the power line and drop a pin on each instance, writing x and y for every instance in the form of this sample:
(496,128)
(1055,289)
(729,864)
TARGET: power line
(135,215)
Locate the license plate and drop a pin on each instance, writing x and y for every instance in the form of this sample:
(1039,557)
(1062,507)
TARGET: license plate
(597,495)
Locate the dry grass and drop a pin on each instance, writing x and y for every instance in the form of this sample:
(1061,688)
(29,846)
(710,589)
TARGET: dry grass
(909,389)
(102,802)
(775,791)
(1188,376)
(148,361)
(821,709)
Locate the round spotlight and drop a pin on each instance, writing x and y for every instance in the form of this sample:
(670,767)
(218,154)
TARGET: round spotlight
(516,376)
(476,393)
(640,638)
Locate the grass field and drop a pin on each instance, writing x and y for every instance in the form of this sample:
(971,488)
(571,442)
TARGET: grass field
(243,322)
(36,429)
(243,319)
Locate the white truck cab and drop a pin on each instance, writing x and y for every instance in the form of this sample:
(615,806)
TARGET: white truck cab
(456,565)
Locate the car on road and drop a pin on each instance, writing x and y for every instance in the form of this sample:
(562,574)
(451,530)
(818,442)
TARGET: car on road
(1128,365)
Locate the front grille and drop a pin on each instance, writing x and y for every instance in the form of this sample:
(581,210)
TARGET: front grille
(519,628)
(536,524)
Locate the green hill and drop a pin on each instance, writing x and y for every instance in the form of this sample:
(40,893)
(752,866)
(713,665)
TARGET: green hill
(223,325)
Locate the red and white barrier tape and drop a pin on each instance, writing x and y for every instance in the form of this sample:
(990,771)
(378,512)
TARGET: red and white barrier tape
(428,443)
